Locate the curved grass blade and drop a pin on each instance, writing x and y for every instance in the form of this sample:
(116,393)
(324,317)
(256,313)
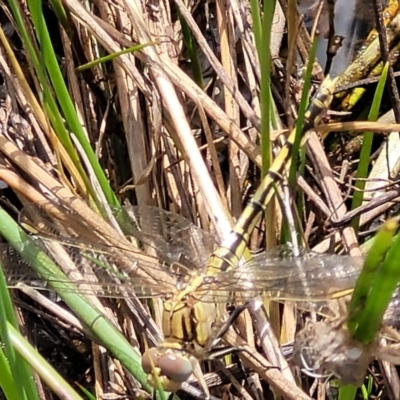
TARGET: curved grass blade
(113,56)
(48,374)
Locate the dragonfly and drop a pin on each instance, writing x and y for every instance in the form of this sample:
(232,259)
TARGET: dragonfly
(193,275)
(194,301)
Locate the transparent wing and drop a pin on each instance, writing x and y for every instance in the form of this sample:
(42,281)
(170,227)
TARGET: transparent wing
(91,271)
(280,275)
(173,237)
(99,271)
(182,251)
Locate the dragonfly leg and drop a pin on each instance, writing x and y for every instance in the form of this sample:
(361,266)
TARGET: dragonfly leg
(228,323)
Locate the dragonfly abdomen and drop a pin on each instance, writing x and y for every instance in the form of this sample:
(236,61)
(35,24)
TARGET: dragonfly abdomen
(239,236)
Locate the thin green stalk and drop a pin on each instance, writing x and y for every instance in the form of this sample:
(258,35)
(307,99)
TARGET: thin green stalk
(16,376)
(262,28)
(363,165)
(192,51)
(300,119)
(112,56)
(296,150)
(16,379)
(46,372)
(266,100)
(262,34)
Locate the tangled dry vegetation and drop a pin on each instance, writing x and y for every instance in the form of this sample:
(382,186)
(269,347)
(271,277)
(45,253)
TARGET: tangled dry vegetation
(154,128)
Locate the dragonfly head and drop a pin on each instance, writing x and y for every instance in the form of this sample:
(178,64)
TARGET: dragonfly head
(166,367)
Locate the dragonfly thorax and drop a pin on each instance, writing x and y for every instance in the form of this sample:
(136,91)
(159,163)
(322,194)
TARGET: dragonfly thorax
(189,321)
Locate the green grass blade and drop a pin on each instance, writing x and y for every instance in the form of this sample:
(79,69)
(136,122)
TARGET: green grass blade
(192,52)
(363,165)
(16,377)
(8,381)
(296,151)
(113,56)
(87,393)
(262,28)
(381,244)
(347,392)
(47,373)
(266,100)
(300,119)
(387,277)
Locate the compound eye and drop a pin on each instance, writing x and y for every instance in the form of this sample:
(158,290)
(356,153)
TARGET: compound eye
(150,360)
(178,369)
